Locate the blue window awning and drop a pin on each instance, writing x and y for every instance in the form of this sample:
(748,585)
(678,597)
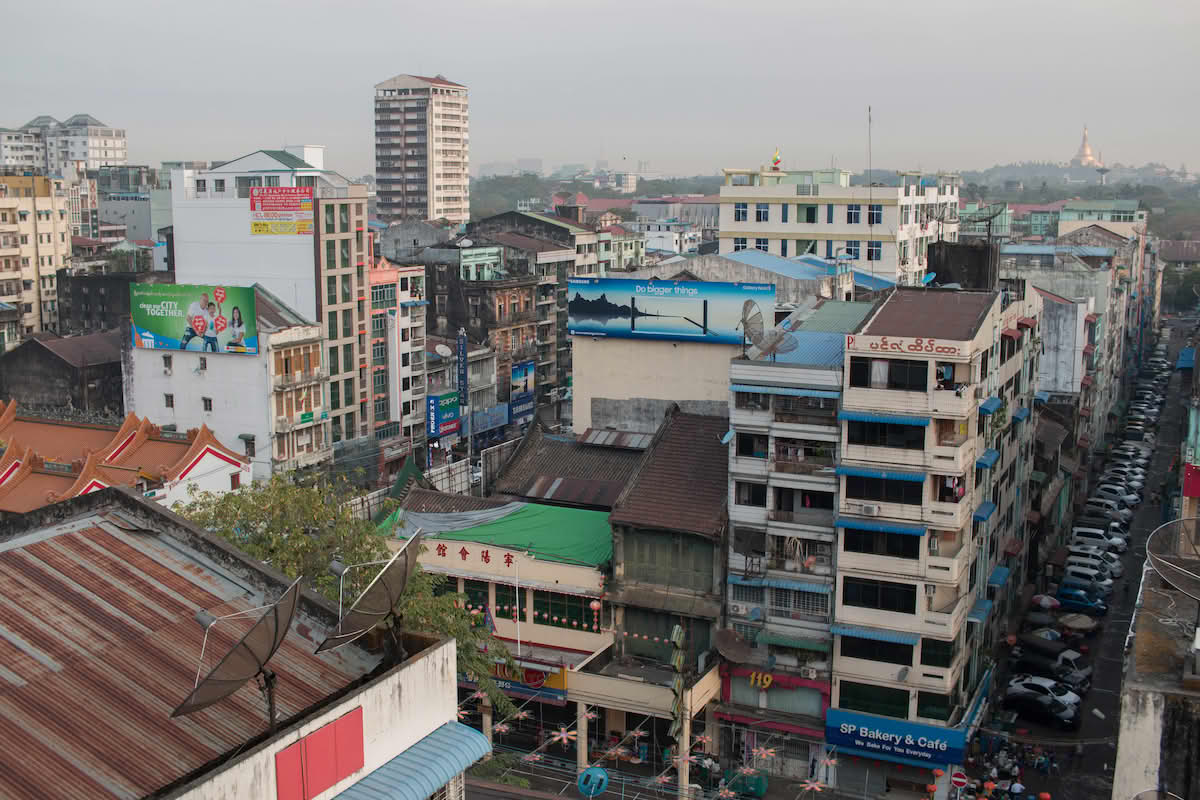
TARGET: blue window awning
(990,406)
(1021,414)
(1187,358)
(929,276)
(878,527)
(424,768)
(876,634)
(782,583)
(890,419)
(785,390)
(979,612)
(988,459)
(887,475)
(999,576)
(1041,397)
(985,511)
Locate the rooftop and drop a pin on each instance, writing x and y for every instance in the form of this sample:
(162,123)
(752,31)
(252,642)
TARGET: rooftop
(86,350)
(681,483)
(1179,251)
(271,313)
(1082,251)
(871,283)
(431,501)
(548,533)
(798,270)
(562,469)
(950,314)
(570,224)
(100,596)
(1101,205)
(523,242)
(835,316)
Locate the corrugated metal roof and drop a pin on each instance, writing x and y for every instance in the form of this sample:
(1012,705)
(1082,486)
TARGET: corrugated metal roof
(1101,205)
(98,645)
(815,349)
(836,316)
(543,458)
(422,769)
(797,270)
(1083,251)
(602,437)
(871,283)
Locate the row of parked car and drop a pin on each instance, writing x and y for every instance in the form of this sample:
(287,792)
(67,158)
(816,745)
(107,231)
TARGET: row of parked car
(1050,676)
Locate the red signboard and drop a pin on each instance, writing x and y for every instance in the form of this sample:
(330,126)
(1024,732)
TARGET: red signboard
(281,210)
(1191,480)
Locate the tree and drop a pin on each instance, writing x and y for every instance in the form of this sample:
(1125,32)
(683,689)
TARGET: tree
(299,530)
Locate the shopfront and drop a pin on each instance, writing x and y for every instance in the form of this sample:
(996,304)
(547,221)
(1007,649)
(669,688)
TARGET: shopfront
(880,754)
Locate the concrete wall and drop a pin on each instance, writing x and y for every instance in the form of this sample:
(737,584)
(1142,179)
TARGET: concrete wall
(33,376)
(238,385)
(628,383)
(1139,743)
(398,710)
(1063,338)
(131,211)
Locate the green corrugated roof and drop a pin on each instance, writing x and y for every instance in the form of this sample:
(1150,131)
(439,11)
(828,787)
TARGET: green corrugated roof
(837,316)
(816,645)
(288,160)
(549,533)
(1101,205)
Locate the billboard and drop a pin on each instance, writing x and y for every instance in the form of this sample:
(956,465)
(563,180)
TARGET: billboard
(281,210)
(693,311)
(441,414)
(520,400)
(210,319)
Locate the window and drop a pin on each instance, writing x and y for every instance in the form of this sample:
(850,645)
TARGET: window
(884,490)
(872,699)
(201,185)
(752,445)
(740,212)
(249,448)
(936,653)
(783,207)
(329,226)
(166,362)
(344,218)
(751,494)
(333,361)
(747,594)
(874,251)
(169,400)
(203,363)
(806,213)
(783,246)
(739,243)
(762,212)
(752,401)
(897,545)
(330,289)
(889,373)
(853,214)
(761,244)
(510,602)
(871,650)
(206,402)
(235,481)
(333,328)
(875,214)
(933,706)
(244,185)
(885,434)
(562,610)
(219,185)
(829,246)
(789,602)
(852,251)
(882,595)
(829,215)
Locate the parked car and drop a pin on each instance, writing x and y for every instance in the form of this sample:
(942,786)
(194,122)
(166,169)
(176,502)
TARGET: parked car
(1043,687)
(1129,484)
(1111,562)
(1114,508)
(1114,491)
(1045,710)
(1037,664)
(1113,527)
(1135,472)
(1071,599)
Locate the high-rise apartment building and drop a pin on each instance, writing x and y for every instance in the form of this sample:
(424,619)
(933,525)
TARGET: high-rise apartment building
(883,231)
(35,242)
(23,149)
(313,255)
(422,149)
(80,138)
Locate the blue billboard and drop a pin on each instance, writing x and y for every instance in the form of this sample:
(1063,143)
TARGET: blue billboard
(894,739)
(693,311)
(441,414)
(524,378)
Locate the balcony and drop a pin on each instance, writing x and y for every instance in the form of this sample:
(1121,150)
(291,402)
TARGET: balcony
(894,456)
(308,458)
(300,378)
(811,517)
(752,466)
(958,403)
(945,619)
(955,453)
(873,508)
(810,465)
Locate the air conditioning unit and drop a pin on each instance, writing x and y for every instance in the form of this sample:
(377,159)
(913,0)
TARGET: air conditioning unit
(166,370)
(739,609)
(808,672)
(870,510)
(933,545)
(930,590)
(978,392)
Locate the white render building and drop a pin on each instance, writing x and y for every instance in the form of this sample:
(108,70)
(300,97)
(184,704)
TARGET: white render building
(422,149)
(80,138)
(22,149)
(883,230)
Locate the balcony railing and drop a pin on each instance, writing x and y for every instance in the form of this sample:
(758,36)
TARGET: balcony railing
(807,466)
(822,517)
(298,378)
(806,417)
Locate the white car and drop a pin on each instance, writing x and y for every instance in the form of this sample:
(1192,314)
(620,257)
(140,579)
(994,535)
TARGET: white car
(1137,473)
(1114,491)
(1045,687)
(1132,485)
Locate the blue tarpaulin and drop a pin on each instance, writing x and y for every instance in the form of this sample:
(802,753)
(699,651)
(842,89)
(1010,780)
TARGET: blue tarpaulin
(887,475)
(988,459)
(999,576)
(990,406)
(889,419)
(985,511)
(875,634)
(1021,414)
(1187,358)
(878,527)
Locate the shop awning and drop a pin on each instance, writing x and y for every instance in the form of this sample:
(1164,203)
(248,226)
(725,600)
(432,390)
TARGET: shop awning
(424,768)
(984,512)
(878,527)
(1091,318)
(1086,380)
(800,643)
(990,406)
(1026,322)
(1187,358)
(1011,333)
(1041,397)
(988,459)
(980,611)
(790,391)
(876,634)
(890,419)
(1021,414)
(999,576)
(887,475)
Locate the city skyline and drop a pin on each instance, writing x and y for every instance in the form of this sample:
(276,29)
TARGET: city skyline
(680,103)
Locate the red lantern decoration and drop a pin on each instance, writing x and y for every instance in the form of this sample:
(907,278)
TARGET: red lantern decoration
(931,789)
(938,772)
(1044,796)
(594,605)
(988,786)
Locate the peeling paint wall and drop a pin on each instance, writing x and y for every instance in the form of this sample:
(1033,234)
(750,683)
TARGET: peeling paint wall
(1139,743)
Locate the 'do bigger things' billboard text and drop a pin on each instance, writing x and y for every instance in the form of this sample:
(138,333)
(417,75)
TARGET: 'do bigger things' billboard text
(692,311)
(209,319)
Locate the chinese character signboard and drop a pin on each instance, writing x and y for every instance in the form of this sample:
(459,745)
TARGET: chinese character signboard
(210,319)
(441,414)
(464,388)
(521,395)
(281,210)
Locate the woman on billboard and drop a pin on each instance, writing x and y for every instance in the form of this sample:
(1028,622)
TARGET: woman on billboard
(237,330)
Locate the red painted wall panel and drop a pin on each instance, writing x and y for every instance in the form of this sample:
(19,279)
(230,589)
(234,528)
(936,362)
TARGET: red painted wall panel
(289,773)
(320,761)
(349,735)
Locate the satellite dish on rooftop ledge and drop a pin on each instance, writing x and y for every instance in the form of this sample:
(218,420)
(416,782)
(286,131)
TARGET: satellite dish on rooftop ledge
(1173,550)
(443,350)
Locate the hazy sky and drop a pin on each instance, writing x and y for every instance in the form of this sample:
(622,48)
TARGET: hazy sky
(690,87)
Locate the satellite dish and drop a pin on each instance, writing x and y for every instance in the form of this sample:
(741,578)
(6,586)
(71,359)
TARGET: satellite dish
(378,601)
(245,660)
(776,341)
(1173,550)
(465,243)
(732,646)
(751,324)
(727,437)
(443,351)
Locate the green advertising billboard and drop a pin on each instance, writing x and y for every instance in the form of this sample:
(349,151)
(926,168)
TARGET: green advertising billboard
(210,319)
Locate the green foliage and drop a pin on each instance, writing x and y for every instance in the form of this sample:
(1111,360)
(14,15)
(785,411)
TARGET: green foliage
(497,769)
(300,529)
(1179,292)
(500,193)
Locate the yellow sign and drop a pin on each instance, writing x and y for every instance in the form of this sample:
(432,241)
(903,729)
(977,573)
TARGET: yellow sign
(293,228)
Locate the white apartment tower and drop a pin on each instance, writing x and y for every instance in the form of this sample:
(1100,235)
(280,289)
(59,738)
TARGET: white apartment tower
(422,149)
(80,138)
